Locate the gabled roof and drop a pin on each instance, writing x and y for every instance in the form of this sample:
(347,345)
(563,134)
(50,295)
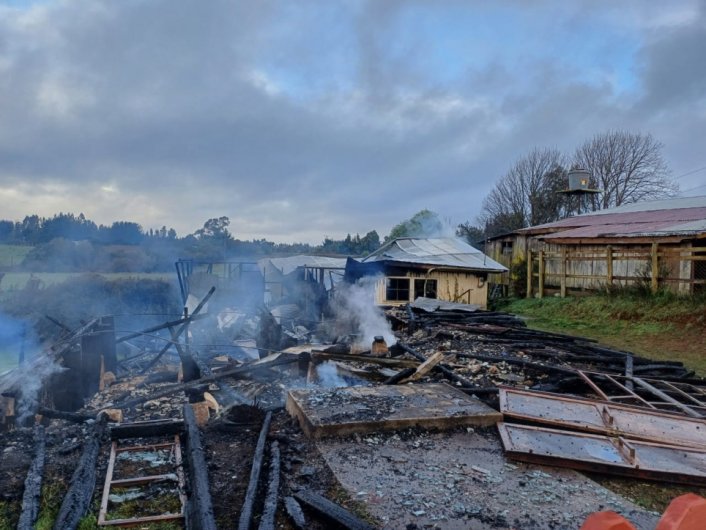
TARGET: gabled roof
(447,252)
(672,217)
(290,263)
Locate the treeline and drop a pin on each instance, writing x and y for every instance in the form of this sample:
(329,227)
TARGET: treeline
(70,243)
(36,230)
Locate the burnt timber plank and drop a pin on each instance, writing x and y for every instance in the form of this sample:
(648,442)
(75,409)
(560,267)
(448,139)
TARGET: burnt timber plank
(331,510)
(267,521)
(83,482)
(246,511)
(347,410)
(199,512)
(33,483)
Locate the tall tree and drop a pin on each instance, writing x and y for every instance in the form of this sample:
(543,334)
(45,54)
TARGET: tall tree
(627,167)
(527,194)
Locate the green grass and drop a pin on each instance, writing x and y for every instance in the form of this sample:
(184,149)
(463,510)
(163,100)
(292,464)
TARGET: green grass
(12,255)
(662,327)
(18,280)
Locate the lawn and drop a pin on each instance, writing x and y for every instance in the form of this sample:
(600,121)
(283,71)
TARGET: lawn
(18,280)
(662,327)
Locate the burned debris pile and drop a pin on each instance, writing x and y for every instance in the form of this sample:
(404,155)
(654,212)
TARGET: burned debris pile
(242,417)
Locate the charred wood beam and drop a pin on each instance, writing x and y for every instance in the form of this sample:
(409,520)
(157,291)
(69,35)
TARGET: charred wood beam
(331,511)
(267,521)
(351,357)
(33,483)
(64,415)
(399,376)
(181,329)
(295,513)
(228,396)
(145,429)
(247,509)
(83,482)
(547,368)
(160,327)
(199,512)
(448,372)
(56,322)
(181,387)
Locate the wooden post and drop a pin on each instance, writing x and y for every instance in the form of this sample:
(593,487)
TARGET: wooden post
(540,287)
(563,272)
(609,266)
(529,273)
(655,268)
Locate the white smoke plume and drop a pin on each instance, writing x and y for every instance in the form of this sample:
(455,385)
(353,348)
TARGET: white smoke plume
(354,307)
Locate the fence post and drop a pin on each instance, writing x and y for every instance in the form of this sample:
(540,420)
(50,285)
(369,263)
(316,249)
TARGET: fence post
(529,273)
(609,266)
(655,268)
(563,272)
(540,287)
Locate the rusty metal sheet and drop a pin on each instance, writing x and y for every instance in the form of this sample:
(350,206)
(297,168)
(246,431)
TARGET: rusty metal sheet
(340,411)
(591,452)
(602,417)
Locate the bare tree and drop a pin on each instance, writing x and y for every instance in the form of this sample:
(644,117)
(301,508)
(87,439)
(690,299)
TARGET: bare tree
(527,194)
(627,167)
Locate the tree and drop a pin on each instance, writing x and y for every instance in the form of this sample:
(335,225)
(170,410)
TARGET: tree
(424,223)
(527,194)
(216,228)
(472,234)
(627,167)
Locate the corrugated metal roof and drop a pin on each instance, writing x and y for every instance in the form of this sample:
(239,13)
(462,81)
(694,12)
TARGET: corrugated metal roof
(673,217)
(442,252)
(291,263)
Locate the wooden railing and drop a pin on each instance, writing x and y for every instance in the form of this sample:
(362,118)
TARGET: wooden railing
(682,269)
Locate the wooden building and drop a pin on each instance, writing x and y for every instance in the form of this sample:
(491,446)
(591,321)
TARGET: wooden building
(443,268)
(661,244)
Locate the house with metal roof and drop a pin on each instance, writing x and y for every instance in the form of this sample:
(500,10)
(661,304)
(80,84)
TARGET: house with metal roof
(405,269)
(658,243)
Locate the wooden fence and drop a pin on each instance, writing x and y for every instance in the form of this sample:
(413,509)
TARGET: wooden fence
(681,269)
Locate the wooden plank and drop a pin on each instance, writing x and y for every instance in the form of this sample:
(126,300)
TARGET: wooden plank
(135,481)
(540,288)
(529,273)
(146,519)
(269,510)
(426,367)
(654,273)
(342,411)
(351,357)
(103,512)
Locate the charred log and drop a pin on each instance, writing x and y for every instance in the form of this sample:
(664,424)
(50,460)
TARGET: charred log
(83,482)
(199,511)
(33,483)
(247,509)
(331,511)
(267,521)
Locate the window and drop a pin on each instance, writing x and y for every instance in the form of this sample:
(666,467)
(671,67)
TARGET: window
(507,247)
(426,288)
(397,289)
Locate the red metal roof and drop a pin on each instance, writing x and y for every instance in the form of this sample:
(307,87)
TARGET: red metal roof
(626,224)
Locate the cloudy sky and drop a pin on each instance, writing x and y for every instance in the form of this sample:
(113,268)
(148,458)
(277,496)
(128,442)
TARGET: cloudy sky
(311,118)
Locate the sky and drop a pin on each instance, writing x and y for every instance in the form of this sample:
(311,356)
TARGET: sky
(300,120)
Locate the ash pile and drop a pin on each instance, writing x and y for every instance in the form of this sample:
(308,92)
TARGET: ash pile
(432,415)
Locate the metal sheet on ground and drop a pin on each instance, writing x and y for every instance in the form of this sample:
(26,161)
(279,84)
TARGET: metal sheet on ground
(339,411)
(601,417)
(592,452)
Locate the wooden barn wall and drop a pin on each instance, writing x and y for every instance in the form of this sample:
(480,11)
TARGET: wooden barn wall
(464,287)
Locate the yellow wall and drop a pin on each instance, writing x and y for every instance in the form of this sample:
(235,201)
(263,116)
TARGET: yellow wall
(460,287)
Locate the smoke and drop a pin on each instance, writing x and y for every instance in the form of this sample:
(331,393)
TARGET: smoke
(23,380)
(328,376)
(355,311)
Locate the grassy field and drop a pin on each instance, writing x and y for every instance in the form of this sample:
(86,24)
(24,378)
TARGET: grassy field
(11,255)
(662,327)
(18,280)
